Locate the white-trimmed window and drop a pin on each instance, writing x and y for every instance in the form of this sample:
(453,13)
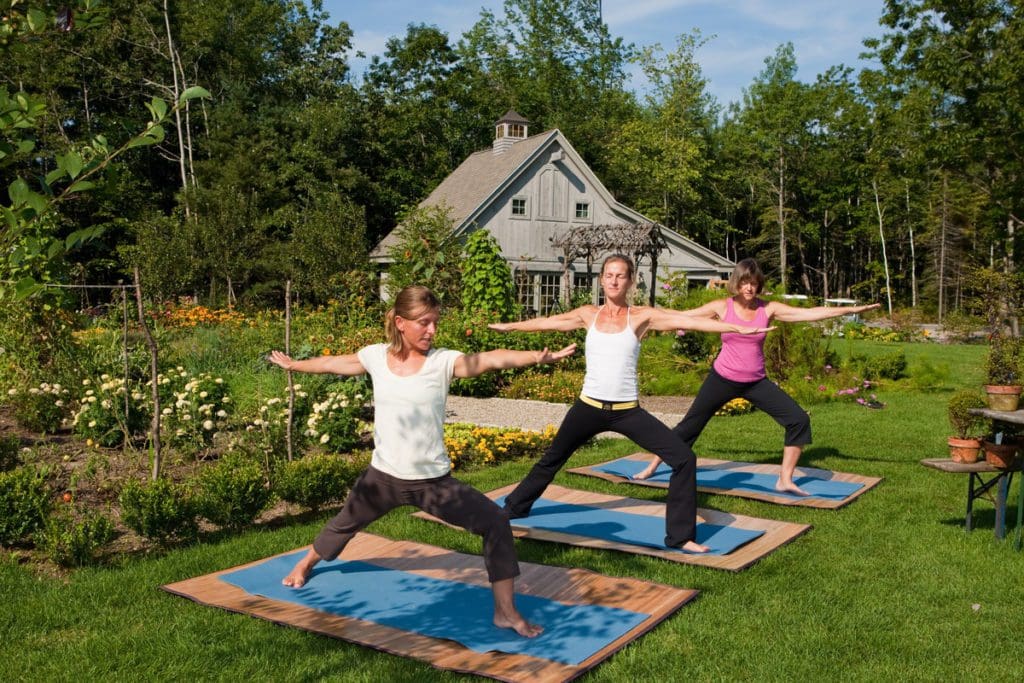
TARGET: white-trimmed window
(582,211)
(550,286)
(520,207)
(582,286)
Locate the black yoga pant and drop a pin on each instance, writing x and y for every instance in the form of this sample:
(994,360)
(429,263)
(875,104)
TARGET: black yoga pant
(716,391)
(583,422)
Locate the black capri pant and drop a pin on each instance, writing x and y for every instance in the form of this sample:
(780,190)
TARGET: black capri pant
(375,494)
(764,394)
(583,422)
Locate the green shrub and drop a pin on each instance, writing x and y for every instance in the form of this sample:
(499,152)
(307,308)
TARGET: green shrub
(160,510)
(233,492)
(9,447)
(698,347)
(965,424)
(486,279)
(317,480)
(555,386)
(928,376)
(101,414)
(40,409)
(885,366)
(794,350)
(25,501)
(335,422)
(76,544)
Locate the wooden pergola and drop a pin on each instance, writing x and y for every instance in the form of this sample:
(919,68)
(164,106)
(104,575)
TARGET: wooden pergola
(636,240)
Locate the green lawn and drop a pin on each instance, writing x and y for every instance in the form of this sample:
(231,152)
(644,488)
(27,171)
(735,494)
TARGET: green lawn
(890,587)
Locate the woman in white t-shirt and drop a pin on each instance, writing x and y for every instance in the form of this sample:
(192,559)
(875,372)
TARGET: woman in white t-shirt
(609,401)
(410,465)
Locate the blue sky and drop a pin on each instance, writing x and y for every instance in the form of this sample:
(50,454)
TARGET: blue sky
(743,32)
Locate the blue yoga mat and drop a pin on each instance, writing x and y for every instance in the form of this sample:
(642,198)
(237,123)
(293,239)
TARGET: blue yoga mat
(627,527)
(438,608)
(737,480)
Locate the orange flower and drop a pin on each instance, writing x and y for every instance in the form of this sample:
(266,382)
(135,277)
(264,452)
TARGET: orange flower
(325,352)
(469,332)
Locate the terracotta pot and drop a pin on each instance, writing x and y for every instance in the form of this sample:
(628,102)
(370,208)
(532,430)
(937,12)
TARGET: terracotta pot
(964,450)
(1005,398)
(1000,455)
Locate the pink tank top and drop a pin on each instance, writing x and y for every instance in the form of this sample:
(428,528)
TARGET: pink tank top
(742,356)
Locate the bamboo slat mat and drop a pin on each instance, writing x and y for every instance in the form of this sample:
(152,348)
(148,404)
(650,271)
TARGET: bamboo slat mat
(867,483)
(776,534)
(568,586)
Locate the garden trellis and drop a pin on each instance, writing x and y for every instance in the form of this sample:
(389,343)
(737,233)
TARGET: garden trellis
(590,241)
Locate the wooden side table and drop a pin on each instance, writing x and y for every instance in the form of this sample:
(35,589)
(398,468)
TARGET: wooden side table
(979,487)
(1010,417)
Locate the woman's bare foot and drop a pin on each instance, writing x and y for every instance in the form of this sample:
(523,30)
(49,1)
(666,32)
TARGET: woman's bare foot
(790,487)
(505,613)
(694,547)
(517,623)
(648,471)
(300,572)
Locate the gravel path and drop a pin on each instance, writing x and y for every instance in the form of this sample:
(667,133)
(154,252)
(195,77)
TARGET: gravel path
(536,415)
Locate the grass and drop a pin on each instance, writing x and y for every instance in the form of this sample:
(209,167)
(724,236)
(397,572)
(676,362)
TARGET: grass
(890,587)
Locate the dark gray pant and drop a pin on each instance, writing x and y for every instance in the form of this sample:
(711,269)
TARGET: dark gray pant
(375,494)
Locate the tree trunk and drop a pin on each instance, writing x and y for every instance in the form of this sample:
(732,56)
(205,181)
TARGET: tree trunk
(913,253)
(881,235)
(177,112)
(782,221)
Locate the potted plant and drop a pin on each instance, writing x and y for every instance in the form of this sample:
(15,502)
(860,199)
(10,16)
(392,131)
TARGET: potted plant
(967,427)
(1003,368)
(1000,455)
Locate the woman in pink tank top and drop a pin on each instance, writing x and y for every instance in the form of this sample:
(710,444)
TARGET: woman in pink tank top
(738,371)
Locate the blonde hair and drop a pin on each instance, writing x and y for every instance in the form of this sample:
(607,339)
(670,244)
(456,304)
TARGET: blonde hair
(746,270)
(410,302)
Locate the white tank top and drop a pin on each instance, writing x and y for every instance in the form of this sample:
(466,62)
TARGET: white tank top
(611,363)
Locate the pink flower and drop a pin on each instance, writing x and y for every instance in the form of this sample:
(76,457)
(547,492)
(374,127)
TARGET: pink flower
(680,333)
(860,401)
(821,387)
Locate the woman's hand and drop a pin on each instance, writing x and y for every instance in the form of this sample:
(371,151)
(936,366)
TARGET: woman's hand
(281,359)
(740,329)
(549,357)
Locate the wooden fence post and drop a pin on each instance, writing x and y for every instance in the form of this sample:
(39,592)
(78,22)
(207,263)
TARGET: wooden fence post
(153,373)
(288,352)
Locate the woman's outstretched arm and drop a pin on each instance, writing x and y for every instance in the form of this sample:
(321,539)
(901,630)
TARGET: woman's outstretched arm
(563,322)
(347,365)
(473,364)
(796,314)
(664,319)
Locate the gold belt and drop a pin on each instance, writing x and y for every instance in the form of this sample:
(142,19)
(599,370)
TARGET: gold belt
(625,405)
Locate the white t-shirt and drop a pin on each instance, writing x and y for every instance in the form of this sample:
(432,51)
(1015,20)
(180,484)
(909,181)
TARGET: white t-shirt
(408,426)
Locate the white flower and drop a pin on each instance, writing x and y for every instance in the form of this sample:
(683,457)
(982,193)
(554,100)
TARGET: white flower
(186,417)
(106,404)
(90,399)
(226,399)
(85,382)
(105,377)
(180,369)
(136,396)
(92,423)
(166,411)
(325,438)
(222,413)
(273,401)
(297,387)
(89,393)
(12,392)
(59,403)
(203,394)
(57,387)
(219,381)
(208,425)
(34,391)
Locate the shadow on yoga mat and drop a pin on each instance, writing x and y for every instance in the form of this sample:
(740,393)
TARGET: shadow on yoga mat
(596,520)
(436,606)
(827,489)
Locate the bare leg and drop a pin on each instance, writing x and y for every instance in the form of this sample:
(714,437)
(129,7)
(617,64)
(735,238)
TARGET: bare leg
(648,471)
(300,572)
(505,613)
(790,457)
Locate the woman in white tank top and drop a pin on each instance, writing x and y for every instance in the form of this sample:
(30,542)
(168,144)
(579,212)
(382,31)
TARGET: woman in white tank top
(609,400)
